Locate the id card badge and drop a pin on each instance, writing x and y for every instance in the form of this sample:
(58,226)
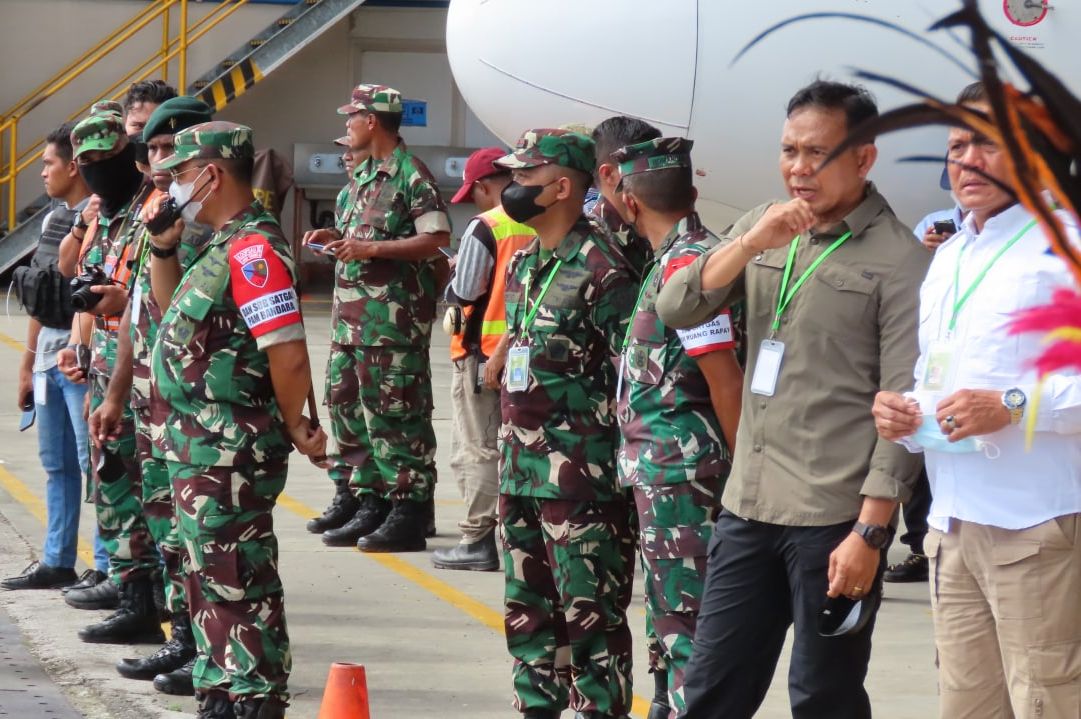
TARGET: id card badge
(517,369)
(767,368)
(40,391)
(619,379)
(136,304)
(938,370)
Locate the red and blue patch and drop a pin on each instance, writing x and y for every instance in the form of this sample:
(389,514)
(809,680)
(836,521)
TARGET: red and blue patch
(256,272)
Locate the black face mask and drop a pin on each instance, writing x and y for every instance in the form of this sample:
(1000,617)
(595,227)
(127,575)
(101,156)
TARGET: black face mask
(115,179)
(520,201)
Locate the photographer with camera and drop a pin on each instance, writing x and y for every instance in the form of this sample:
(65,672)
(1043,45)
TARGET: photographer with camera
(43,390)
(106,159)
(130,382)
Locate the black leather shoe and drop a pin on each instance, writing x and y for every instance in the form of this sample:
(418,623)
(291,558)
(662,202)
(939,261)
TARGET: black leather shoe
(659,707)
(912,569)
(88,579)
(402,532)
(371,515)
(429,531)
(179,682)
(480,556)
(259,709)
(135,622)
(39,575)
(342,508)
(540,714)
(214,705)
(174,654)
(103,595)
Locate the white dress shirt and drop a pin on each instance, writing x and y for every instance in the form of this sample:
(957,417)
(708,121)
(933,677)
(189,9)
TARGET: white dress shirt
(1018,488)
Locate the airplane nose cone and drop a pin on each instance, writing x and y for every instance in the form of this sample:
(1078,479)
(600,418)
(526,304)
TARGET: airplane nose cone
(508,54)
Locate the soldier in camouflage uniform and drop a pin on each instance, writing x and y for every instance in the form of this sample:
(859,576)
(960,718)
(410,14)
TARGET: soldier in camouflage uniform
(379,372)
(107,162)
(678,407)
(131,383)
(230,376)
(565,522)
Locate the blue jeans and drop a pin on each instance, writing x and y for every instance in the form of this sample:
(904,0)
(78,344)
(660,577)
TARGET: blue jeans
(62,447)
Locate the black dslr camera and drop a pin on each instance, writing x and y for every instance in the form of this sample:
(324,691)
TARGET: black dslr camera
(168,214)
(82,299)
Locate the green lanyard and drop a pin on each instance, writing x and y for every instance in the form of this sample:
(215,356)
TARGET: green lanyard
(959,303)
(786,295)
(641,294)
(532,314)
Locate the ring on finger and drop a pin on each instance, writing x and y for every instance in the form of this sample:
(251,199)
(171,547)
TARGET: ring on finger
(951,421)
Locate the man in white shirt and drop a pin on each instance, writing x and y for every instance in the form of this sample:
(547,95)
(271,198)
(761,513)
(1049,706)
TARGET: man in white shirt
(1005,536)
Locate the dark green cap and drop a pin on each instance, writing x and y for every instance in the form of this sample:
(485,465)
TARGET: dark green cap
(662,153)
(176,114)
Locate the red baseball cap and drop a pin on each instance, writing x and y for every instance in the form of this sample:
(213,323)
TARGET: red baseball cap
(477,167)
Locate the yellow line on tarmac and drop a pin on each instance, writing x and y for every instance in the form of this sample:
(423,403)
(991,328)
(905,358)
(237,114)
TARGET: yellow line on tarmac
(24,496)
(443,591)
(12,342)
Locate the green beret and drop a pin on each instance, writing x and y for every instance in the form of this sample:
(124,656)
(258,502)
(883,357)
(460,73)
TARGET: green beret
(173,115)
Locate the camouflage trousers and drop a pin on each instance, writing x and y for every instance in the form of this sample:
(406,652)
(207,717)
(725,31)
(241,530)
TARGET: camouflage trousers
(565,607)
(231,576)
(380,405)
(118,499)
(160,514)
(675,524)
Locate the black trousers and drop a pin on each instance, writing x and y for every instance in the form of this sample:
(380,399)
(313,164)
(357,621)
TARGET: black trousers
(762,578)
(916,510)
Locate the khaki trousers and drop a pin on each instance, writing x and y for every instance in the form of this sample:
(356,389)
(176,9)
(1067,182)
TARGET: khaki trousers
(1007,618)
(474,455)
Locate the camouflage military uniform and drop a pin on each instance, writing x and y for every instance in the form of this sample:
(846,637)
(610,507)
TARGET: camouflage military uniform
(116,488)
(630,244)
(564,521)
(216,424)
(379,371)
(672,451)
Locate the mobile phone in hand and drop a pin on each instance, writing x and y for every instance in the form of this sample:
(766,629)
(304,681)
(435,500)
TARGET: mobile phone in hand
(449,253)
(945,227)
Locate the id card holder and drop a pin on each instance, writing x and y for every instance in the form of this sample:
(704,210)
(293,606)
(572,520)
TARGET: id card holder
(619,378)
(136,304)
(40,390)
(938,370)
(517,369)
(767,368)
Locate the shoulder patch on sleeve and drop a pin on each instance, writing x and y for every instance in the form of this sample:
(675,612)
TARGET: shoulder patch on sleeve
(677,263)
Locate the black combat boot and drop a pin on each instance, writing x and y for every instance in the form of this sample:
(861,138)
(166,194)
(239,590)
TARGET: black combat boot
(429,530)
(480,556)
(178,682)
(103,595)
(174,654)
(369,517)
(403,531)
(342,508)
(135,622)
(659,708)
(214,705)
(259,709)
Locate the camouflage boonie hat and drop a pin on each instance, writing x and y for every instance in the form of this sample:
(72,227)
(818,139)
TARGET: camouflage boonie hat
(107,106)
(373,98)
(662,153)
(549,146)
(98,132)
(218,140)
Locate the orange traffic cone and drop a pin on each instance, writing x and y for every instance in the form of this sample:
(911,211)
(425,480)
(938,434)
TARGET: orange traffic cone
(346,694)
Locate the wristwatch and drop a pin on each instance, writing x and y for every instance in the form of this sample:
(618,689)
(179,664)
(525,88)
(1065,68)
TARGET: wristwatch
(162,252)
(875,535)
(79,222)
(1014,400)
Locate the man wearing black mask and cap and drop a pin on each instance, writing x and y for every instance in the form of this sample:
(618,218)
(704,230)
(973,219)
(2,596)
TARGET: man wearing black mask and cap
(106,160)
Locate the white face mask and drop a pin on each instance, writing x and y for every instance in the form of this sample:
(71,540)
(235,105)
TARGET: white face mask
(182,195)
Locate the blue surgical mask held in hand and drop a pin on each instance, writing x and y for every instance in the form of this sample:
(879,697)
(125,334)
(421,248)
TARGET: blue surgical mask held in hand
(929,436)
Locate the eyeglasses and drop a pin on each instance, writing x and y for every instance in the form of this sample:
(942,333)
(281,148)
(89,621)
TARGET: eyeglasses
(175,174)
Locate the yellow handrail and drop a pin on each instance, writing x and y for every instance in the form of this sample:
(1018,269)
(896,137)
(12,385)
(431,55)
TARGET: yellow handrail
(175,47)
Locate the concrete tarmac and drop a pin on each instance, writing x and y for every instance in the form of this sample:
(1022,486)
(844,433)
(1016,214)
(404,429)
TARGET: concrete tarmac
(430,640)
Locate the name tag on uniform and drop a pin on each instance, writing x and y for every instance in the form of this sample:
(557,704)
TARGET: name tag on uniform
(767,368)
(938,371)
(136,304)
(518,369)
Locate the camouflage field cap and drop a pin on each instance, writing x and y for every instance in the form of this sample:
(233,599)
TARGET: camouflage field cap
(549,146)
(373,98)
(176,114)
(107,106)
(216,140)
(662,153)
(98,132)
(342,141)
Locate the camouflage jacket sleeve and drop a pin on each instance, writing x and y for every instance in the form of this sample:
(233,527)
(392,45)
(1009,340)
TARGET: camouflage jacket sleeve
(682,302)
(426,205)
(611,313)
